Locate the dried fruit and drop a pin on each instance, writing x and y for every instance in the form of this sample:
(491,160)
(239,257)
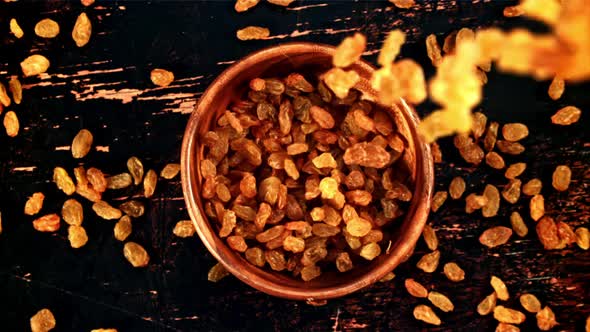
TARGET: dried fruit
(34,65)
(533,187)
(454,272)
(530,303)
(512,148)
(566,116)
(510,316)
(123,228)
(252,32)
(135,167)
(63,181)
(47,223)
(495,236)
(438,200)
(433,50)
(161,77)
(133,208)
(244,5)
(537,207)
(518,224)
(474,202)
(430,238)
(494,160)
(556,88)
(16,29)
(561,178)
(349,51)
(42,321)
(487,305)
(4,98)
(72,212)
(136,254)
(511,192)
(415,288)
(370,251)
(503,327)
(34,204)
(149,183)
(82,30)
(500,289)
(276,261)
(82,144)
(440,301)
(546,319)
(119,181)
(514,170)
(96,179)
(343,262)
(457,187)
(47,28)
(391,47)
(425,314)
(490,138)
(340,81)
(583,238)
(404,4)
(217,272)
(492,196)
(106,211)
(514,132)
(548,234)
(16,89)
(11,124)
(513,11)
(170,171)
(429,262)
(77,236)
(89,3)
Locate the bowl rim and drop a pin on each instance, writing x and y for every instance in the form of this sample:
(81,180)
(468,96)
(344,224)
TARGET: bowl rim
(399,254)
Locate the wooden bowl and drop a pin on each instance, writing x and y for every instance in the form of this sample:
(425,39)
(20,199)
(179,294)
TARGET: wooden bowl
(230,86)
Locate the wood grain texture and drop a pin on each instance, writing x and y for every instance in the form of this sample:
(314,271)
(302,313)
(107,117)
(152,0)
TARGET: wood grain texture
(105,87)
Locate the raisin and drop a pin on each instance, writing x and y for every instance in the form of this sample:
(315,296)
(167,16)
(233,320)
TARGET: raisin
(82,144)
(425,314)
(487,305)
(530,303)
(492,196)
(515,170)
(514,132)
(343,262)
(430,238)
(72,212)
(217,272)
(518,224)
(510,316)
(546,319)
(566,116)
(77,236)
(123,228)
(457,187)
(537,207)
(561,178)
(429,262)
(47,223)
(495,236)
(500,289)
(494,160)
(440,301)
(34,204)
(415,289)
(438,200)
(533,187)
(42,321)
(453,272)
(82,30)
(511,192)
(136,254)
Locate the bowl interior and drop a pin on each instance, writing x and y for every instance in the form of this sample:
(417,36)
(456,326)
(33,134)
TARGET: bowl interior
(229,87)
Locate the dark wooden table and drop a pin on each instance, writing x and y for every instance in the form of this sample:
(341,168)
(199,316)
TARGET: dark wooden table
(105,87)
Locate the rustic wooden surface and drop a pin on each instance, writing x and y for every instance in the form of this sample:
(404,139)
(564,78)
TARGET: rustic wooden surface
(105,87)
